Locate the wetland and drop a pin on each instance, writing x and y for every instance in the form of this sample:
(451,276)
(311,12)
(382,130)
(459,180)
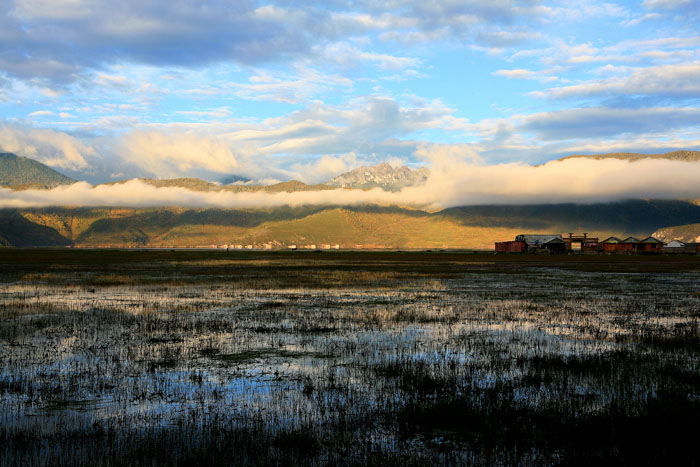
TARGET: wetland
(118,357)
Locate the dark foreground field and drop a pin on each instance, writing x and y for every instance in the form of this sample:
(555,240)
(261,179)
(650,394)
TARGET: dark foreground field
(163,358)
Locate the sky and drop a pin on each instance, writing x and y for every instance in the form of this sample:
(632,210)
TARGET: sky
(306,90)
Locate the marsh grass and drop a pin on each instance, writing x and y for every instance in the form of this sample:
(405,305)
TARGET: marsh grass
(405,359)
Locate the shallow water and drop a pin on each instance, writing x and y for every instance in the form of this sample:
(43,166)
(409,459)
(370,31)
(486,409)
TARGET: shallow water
(294,365)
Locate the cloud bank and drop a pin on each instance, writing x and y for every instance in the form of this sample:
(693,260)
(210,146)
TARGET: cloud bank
(53,148)
(453,182)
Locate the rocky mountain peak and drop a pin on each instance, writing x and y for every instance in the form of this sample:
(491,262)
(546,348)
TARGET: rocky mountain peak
(382,176)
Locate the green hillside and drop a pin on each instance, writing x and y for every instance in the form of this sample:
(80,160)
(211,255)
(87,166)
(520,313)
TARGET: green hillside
(371,228)
(366,226)
(22,173)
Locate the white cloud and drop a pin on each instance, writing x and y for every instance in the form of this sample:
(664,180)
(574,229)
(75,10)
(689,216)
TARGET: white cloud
(169,154)
(41,113)
(53,148)
(324,168)
(346,55)
(545,135)
(594,122)
(293,89)
(641,19)
(61,41)
(117,81)
(520,73)
(453,182)
(364,125)
(662,81)
(220,112)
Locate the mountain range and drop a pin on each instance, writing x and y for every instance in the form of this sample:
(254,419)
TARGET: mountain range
(687,156)
(349,227)
(23,173)
(382,176)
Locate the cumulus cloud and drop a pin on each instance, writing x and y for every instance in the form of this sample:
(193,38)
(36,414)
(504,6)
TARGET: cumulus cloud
(545,135)
(454,181)
(60,41)
(487,23)
(309,144)
(598,122)
(365,124)
(174,154)
(668,81)
(321,141)
(324,168)
(53,148)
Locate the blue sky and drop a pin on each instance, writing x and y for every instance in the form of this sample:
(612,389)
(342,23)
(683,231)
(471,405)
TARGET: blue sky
(105,90)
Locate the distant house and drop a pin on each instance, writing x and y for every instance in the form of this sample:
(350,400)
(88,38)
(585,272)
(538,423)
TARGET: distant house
(532,243)
(676,246)
(612,245)
(631,245)
(648,245)
(552,243)
(511,247)
(535,239)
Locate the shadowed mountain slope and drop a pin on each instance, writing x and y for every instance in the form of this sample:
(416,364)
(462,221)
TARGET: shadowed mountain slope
(627,216)
(16,230)
(22,173)
(369,225)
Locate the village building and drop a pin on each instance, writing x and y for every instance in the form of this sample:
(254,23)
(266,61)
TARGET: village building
(511,247)
(612,245)
(555,243)
(678,247)
(532,243)
(631,245)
